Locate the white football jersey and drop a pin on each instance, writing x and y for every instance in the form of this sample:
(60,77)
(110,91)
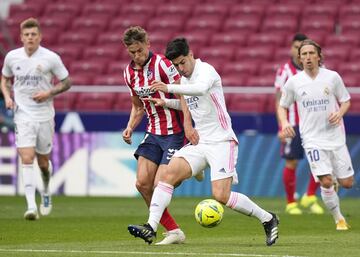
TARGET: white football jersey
(205,99)
(33,74)
(317,99)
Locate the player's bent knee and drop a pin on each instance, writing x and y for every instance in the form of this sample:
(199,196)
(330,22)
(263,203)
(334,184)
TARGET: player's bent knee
(143,188)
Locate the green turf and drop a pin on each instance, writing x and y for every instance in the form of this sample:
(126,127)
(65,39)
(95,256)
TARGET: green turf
(97,227)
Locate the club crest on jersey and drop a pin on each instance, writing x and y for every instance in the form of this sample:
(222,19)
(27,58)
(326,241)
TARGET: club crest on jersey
(39,69)
(150,74)
(326,91)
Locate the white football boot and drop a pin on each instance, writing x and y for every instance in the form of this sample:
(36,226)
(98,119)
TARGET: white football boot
(31,214)
(175,236)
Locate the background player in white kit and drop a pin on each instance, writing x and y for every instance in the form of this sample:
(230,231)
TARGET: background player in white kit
(317,92)
(33,67)
(213,143)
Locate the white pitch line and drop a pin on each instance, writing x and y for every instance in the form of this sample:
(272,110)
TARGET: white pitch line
(143,253)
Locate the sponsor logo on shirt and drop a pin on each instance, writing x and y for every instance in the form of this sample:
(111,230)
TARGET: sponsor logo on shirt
(143,91)
(28,80)
(315,105)
(192,102)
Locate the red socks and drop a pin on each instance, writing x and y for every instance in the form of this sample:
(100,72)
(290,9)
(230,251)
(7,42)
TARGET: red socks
(313,186)
(289,179)
(168,221)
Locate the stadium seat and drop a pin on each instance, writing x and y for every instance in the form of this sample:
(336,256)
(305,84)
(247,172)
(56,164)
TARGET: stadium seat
(261,81)
(282,54)
(117,67)
(280,24)
(101,10)
(241,68)
(90,25)
(25,10)
(165,25)
(70,9)
(145,9)
(203,25)
(245,25)
(95,102)
(81,79)
(195,39)
(247,10)
(88,67)
(109,79)
(65,51)
(350,25)
(317,24)
(56,23)
(174,10)
(49,37)
(273,38)
(355,104)
(332,64)
(76,39)
(351,80)
(122,102)
(349,68)
(292,10)
(268,69)
(247,103)
(65,101)
(349,11)
(260,53)
(225,39)
(106,53)
(110,39)
(354,55)
(219,52)
(339,53)
(233,80)
(218,10)
(320,10)
(346,40)
(119,24)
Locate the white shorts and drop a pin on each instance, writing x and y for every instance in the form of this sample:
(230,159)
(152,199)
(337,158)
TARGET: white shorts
(334,162)
(220,157)
(35,134)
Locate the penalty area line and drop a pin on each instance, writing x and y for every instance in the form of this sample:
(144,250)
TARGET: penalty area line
(141,253)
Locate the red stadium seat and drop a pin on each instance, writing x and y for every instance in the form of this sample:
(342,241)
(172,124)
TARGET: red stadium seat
(89,24)
(273,38)
(174,10)
(203,25)
(246,24)
(351,80)
(76,39)
(104,10)
(346,40)
(351,26)
(101,53)
(233,80)
(122,102)
(247,103)
(282,55)
(26,10)
(90,67)
(261,81)
(65,51)
(260,53)
(110,80)
(81,79)
(117,67)
(55,23)
(339,53)
(320,10)
(247,10)
(220,52)
(241,68)
(268,69)
(349,11)
(195,39)
(207,9)
(65,101)
(284,10)
(165,25)
(110,39)
(355,55)
(145,9)
(280,24)
(355,104)
(317,24)
(71,9)
(226,39)
(349,68)
(95,102)
(120,24)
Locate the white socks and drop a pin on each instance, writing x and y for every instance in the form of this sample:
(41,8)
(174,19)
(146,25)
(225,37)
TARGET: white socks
(160,200)
(29,185)
(241,203)
(331,201)
(46,178)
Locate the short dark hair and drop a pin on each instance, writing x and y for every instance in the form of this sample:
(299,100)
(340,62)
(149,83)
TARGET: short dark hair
(299,37)
(177,47)
(30,23)
(134,34)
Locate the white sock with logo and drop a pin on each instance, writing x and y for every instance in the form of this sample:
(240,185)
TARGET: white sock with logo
(29,185)
(241,203)
(331,201)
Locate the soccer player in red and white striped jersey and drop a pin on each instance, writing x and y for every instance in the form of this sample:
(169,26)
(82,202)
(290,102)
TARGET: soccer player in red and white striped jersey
(291,148)
(164,134)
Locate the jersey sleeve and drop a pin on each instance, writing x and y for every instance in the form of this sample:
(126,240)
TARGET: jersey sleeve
(127,82)
(287,94)
(6,69)
(341,93)
(280,78)
(168,72)
(59,69)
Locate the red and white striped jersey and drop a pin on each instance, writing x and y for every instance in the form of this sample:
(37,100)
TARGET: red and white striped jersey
(161,120)
(282,75)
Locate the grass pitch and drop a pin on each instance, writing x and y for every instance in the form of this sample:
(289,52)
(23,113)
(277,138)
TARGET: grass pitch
(98,227)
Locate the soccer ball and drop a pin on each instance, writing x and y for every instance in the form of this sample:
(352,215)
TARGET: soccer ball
(209,213)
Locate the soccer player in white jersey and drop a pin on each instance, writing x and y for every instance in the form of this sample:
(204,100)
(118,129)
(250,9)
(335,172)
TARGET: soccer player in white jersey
(213,143)
(32,67)
(317,92)
(291,149)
